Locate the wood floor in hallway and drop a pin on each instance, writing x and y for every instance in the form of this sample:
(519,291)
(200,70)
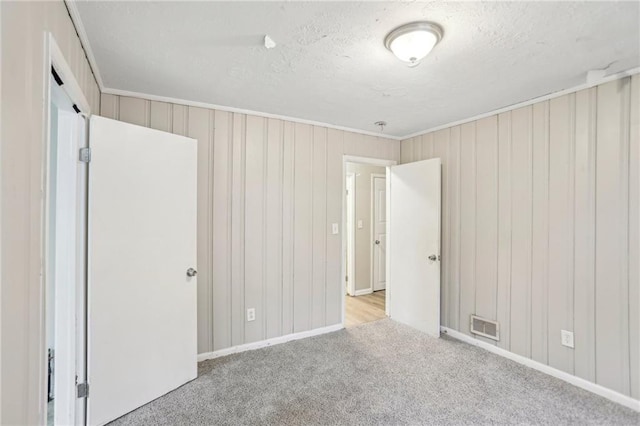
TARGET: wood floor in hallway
(364,309)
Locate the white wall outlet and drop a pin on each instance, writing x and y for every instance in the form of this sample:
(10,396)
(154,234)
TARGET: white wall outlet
(251,314)
(566,338)
(334,228)
(360,224)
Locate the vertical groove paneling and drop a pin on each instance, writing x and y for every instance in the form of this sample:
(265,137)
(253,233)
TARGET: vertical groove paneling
(333,250)
(180,119)
(584,212)
(288,215)
(560,297)
(254,225)
(209,215)
(427,146)
(109,106)
(612,296)
(405,153)
(540,237)
(237,230)
(486,211)
(521,230)
(408,148)
(417,148)
(504,229)
(634,237)
(467,224)
(565,223)
(133,110)
(623,245)
(198,127)
(353,145)
(160,116)
(303,222)
(274,234)
(221,225)
(454,227)
(320,227)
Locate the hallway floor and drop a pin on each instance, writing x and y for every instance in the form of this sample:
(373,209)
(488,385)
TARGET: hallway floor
(364,309)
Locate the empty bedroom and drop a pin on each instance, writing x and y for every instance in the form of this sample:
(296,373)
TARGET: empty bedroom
(319,213)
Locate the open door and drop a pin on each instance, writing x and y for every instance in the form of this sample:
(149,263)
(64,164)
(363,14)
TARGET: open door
(141,248)
(414,245)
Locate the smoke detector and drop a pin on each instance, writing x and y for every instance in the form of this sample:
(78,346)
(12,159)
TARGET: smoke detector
(380,124)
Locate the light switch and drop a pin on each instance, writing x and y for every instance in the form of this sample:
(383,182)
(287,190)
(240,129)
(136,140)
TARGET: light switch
(334,228)
(360,225)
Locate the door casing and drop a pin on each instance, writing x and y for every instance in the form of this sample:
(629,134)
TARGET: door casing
(55,59)
(350,230)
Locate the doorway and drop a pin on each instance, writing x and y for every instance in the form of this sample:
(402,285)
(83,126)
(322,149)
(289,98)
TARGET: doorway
(65,258)
(364,260)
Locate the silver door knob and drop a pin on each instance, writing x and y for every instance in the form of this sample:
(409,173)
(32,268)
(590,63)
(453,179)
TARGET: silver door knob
(432,258)
(377,241)
(191,272)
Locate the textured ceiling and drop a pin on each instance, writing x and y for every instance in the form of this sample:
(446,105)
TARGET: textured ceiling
(330,64)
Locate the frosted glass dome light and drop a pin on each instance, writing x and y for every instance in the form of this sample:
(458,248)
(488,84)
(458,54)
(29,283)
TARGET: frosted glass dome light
(412,42)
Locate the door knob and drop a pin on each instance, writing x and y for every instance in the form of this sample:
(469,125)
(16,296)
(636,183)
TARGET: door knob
(377,241)
(432,258)
(191,272)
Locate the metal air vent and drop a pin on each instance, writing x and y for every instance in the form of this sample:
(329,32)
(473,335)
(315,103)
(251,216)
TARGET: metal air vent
(485,327)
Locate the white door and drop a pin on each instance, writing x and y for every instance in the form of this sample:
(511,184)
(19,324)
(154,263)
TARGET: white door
(414,245)
(379,225)
(142,241)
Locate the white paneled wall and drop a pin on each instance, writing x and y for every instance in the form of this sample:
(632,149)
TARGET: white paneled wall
(268,193)
(24,74)
(540,229)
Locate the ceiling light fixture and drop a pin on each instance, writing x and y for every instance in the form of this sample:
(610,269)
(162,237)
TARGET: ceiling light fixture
(412,42)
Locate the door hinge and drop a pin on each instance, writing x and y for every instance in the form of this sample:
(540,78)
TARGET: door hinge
(82,390)
(85,155)
(346,278)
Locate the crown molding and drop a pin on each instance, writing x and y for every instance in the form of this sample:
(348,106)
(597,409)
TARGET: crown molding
(532,101)
(149,97)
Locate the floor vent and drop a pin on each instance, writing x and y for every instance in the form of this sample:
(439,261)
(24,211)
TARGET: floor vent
(485,327)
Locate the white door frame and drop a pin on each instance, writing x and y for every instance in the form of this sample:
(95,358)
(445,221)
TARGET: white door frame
(55,59)
(371,220)
(350,230)
(373,162)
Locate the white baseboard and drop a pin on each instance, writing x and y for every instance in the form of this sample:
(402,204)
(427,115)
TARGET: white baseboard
(363,291)
(269,342)
(612,395)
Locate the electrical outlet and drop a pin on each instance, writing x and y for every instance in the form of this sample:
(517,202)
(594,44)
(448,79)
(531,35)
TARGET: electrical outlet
(251,314)
(334,228)
(566,338)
